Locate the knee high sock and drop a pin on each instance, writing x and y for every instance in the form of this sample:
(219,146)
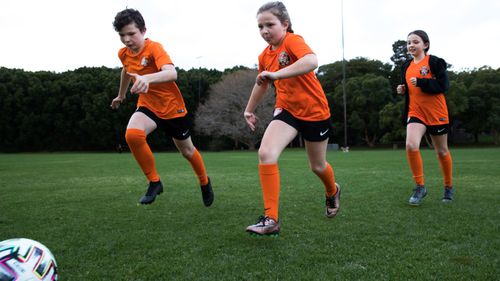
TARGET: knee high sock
(446,167)
(328,179)
(270,181)
(136,140)
(416,166)
(198,166)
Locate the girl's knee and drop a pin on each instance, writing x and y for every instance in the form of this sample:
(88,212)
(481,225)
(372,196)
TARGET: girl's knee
(187,152)
(411,146)
(317,168)
(267,155)
(442,151)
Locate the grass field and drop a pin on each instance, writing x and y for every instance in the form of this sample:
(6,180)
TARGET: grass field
(84,208)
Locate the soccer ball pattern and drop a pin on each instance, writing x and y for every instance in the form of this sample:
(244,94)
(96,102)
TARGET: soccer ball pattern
(24,259)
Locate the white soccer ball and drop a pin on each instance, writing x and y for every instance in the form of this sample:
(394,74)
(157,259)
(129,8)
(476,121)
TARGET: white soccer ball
(24,259)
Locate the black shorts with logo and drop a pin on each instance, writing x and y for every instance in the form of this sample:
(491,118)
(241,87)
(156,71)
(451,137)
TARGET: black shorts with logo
(435,130)
(311,130)
(178,128)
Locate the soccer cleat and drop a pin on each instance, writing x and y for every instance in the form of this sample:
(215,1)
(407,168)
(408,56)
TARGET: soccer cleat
(155,188)
(418,194)
(333,203)
(448,194)
(265,226)
(207,193)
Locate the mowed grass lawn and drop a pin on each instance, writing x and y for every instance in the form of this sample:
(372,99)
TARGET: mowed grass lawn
(83,206)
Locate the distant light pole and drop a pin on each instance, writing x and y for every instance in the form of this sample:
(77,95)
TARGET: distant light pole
(346,147)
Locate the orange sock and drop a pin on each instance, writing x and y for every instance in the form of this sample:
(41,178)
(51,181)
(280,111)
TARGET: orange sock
(416,166)
(328,179)
(198,166)
(270,181)
(136,140)
(446,167)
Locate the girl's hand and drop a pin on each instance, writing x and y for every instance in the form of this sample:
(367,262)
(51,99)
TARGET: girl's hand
(413,81)
(141,84)
(265,76)
(115,103)
(251,120)
(401,89)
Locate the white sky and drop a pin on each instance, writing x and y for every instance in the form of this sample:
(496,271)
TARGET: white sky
(67,34)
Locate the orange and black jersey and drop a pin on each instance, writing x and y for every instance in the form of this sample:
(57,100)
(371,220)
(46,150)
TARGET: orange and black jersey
(426,100)
(301,95)
(163,99)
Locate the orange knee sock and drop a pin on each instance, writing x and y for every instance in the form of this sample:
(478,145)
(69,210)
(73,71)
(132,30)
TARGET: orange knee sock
(198,166)
(446,167)
(270,181)
(136,140)
(416,166)
(328,179)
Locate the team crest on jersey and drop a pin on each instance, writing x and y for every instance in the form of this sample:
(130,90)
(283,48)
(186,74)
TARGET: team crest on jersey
(424,70)
(144,61)
(284,59)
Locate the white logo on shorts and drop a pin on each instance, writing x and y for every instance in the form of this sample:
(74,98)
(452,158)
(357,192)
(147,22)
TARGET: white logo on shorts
(185,133)
(323,133)
(277,111)
(440,130)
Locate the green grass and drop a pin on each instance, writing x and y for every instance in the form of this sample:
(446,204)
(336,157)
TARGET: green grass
(84,208)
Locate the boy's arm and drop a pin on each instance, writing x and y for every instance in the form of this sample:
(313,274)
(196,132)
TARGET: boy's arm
(124,82)
(122,91)
(141,84)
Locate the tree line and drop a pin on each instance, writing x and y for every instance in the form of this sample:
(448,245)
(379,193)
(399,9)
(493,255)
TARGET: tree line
(70,111)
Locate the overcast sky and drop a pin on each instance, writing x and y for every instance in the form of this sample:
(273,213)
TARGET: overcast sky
(65,35)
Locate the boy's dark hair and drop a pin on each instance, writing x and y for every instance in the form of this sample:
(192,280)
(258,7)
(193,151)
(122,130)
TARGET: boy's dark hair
(127,17)
(425,38)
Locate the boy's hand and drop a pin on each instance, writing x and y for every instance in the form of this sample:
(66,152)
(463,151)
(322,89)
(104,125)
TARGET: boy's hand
(141,84)
(115,103)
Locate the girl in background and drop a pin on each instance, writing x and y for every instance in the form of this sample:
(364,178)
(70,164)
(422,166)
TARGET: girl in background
(424,82)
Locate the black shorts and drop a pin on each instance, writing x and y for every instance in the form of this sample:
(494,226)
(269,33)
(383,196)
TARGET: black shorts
(177,128)
(435,130)
(311,130)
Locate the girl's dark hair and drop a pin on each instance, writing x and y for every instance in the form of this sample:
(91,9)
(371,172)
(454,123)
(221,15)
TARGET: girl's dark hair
(425,38)
(127,17)
(278,9)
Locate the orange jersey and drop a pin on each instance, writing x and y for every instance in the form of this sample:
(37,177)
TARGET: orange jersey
(163,99)
(430,108)
(302,95)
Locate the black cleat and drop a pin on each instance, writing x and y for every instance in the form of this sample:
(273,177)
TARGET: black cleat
(207,193)
(418,194)
(448,194)
(333,204)
(155,188)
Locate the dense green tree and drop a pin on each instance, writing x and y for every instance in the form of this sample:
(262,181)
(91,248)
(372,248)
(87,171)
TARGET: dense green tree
(366,96)
(483,112)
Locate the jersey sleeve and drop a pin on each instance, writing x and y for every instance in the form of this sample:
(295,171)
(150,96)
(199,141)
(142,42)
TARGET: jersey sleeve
(298,46)
(121,55)
(160,56)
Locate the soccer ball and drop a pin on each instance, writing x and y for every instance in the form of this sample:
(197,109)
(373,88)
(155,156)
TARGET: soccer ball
(24,259)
